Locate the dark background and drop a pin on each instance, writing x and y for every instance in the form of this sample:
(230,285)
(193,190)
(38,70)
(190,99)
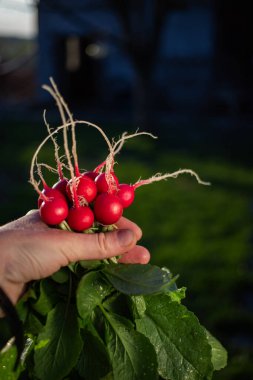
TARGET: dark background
(183,71)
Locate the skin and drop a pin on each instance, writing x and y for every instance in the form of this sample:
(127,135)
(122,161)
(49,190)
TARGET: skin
(30,250)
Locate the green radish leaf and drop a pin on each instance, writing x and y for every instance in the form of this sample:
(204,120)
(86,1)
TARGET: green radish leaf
(91,264)
(178,294)
(93,347)
(219,354)
(138,306)
(22,310)
(22,306)
(135,279)
(74,267)
(91,291)
(33,325)
(48,297)
(118,303)
(132,355)
(61,275)
(8,357)
(180,341)
(58,345)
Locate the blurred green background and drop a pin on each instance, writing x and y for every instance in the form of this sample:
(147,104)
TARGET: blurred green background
(202,233)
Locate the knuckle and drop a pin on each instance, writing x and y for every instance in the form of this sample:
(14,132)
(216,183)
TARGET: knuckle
(103,244)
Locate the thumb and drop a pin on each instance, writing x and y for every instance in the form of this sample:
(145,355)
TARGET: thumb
(98,246)
(42,253)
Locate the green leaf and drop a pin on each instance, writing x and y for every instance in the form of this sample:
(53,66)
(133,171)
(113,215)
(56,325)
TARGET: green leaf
(61,275)
(132,355)
(47,298)
(135,279)
(58,345)
(22,306)
(73,267)
(178,294)
(33,325)
(90,264)
(22,310)
(118,303)
(91,291)
(219,354)
(179,340)
(7,362)
(93,347)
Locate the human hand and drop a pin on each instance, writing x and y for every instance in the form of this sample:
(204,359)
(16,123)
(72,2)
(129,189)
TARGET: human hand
(30,250)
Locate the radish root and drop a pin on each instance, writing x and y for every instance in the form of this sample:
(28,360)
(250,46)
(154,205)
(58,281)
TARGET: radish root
(159,177)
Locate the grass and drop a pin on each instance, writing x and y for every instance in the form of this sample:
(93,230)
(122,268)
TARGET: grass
(202,233)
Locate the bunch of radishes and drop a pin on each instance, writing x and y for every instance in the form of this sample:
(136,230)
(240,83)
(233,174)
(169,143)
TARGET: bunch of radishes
(87,198)
(84,202)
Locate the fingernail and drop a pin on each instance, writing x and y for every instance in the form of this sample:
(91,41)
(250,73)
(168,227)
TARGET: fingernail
(125,237)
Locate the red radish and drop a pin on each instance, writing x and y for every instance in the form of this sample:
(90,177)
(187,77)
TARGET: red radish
(102,183)
(126,194)
(80,218)
(107,208)
(49,193)
(85,188)
(54,210)
(91,175)
(61,186)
